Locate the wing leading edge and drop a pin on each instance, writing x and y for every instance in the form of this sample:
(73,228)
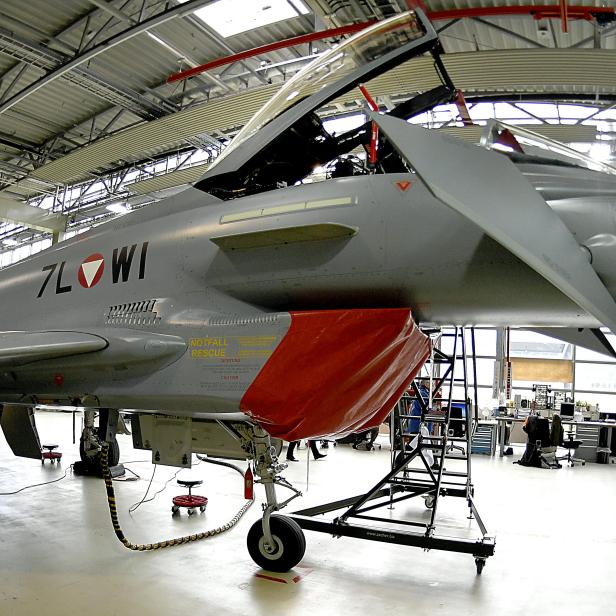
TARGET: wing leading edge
(492,193)
(20,348)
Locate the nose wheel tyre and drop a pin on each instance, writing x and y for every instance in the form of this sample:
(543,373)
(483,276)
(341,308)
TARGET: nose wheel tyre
(288,549)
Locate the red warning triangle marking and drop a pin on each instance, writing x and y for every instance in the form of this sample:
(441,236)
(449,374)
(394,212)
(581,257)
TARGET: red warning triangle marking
(403,185)
(91,271)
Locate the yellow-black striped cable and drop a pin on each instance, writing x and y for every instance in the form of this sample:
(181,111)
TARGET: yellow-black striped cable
(146,547)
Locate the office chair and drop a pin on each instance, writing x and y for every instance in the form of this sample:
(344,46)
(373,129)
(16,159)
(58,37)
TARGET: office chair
(540,448)
(547,451)
(571,444)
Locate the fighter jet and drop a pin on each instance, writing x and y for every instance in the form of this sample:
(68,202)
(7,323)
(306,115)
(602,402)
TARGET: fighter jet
(260,305)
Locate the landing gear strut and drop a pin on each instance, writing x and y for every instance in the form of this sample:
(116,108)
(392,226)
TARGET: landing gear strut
(276,542)
(91,441)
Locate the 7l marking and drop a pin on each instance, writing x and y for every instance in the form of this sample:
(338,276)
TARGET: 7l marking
(91,269)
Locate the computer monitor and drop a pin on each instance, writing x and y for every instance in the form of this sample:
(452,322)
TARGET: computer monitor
(458,409)
(567,410)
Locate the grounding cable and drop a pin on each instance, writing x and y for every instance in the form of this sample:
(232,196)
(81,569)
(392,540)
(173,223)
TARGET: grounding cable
(146,547)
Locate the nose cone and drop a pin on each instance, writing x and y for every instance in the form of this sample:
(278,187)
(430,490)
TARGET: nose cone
(336,371)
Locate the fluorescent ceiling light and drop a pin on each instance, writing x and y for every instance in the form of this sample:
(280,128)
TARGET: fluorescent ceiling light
(230,17)
(118,208)
(173,50)
(10,242)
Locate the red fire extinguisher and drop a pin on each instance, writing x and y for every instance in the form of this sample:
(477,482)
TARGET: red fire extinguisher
(248,484)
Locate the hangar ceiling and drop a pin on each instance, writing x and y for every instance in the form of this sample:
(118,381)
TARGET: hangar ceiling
(84,90)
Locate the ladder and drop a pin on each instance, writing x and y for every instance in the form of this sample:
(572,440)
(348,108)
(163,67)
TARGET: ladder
(422,461)
(430,443)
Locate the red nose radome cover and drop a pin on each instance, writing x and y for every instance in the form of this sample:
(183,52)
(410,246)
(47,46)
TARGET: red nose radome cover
(336,371)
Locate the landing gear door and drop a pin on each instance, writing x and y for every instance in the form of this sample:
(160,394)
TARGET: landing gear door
(218,438)
(20,431)
(171,441)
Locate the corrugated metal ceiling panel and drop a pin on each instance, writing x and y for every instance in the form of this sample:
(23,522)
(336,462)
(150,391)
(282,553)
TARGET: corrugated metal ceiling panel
(522,70)
(49,111)
(138,62)
(168,180)
(565,134)
(50,16)
(558,132)
(100,18)
(229,111)
(59,101)
(468,35)
(576,70)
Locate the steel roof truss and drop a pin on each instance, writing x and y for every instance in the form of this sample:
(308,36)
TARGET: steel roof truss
(508,32)
(66,66)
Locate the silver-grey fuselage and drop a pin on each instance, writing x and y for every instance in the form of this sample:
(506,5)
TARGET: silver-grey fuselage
(409,249)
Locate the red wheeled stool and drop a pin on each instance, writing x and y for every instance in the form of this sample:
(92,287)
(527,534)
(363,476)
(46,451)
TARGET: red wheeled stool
(189,501)
(50,454)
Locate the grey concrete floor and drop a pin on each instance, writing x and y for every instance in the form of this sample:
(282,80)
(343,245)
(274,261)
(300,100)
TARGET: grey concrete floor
(555,551)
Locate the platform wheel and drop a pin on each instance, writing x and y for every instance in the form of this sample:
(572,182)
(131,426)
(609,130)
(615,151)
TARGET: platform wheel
(202,508)
(288,549)
(429,500)
(480,563)
(174,509)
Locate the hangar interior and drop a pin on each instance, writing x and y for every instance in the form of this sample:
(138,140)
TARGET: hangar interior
(111,109)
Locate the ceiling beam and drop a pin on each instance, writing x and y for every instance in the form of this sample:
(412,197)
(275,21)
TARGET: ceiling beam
(144,26)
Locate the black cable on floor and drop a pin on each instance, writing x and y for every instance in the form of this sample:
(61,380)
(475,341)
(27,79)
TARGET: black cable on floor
(136,506)
(147,547)
(37,485)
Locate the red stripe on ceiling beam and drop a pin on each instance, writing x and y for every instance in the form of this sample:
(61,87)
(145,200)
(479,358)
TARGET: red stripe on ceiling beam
(549,11)
(256,51)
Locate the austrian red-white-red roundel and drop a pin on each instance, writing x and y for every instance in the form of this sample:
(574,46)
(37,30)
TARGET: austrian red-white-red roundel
(91,270)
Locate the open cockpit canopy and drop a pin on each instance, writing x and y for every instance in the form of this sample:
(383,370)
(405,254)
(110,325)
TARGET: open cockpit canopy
(285,140)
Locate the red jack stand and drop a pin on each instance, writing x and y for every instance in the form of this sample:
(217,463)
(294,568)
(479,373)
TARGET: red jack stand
(188,501)
(50,454)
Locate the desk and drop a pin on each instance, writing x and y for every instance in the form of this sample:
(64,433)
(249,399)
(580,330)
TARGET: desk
(502,421)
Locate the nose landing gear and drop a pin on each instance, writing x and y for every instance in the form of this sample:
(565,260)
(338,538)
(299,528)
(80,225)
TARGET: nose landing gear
(92,439)
(285,549)
(275,542)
